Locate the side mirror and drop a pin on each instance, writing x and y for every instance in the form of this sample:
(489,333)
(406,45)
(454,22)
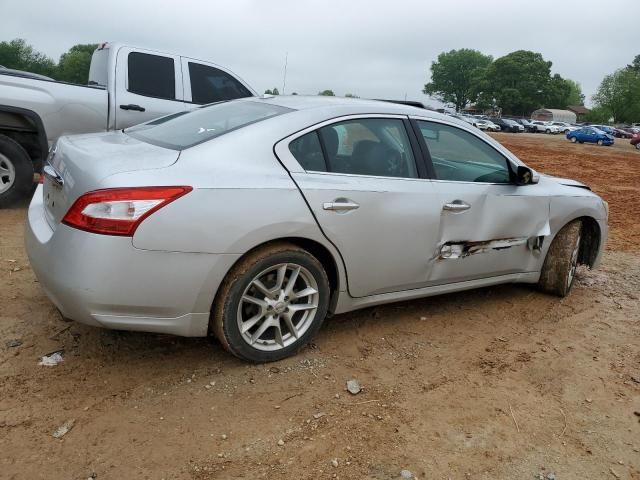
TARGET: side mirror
(525,176)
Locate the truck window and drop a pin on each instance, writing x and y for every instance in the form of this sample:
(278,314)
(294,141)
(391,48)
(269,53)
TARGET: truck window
(152,75)
(209,85)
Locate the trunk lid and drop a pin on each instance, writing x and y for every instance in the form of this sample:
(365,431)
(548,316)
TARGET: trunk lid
(81,163)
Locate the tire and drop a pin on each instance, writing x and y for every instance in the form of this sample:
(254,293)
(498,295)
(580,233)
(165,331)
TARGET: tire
(559,268)
(573,139)
(547,131)
(580,143)
(16,172)
(260,342)
(637,146)
(600,142)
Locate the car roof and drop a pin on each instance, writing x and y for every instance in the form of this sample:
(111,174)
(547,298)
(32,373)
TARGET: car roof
(348,106)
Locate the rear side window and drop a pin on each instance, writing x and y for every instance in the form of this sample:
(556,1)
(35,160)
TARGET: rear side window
(308,152)
(186,129)
(209,85)
(152,75)
(370,146)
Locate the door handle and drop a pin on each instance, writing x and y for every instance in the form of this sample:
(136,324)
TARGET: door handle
(132,106)
(456,206)
(340,206)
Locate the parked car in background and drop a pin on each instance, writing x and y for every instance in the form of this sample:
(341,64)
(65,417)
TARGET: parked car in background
(127,86)
(590,135)
(486,125)
(632,130)
(635,140)
(244,219)
(564,126)
(538,126)
(528,127)
(606,129)
(621,133)
(507,125)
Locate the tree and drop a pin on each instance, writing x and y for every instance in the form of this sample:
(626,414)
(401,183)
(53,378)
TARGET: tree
(74,65)
(19,55)
(272,92)
(557,93)
(327,93)
(520,82)
(456,76)
(619,95)
(576,97)
(635,65)
(351,95)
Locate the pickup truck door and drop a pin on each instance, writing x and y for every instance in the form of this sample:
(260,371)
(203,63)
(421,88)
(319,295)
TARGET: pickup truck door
(147,85)
(209,83)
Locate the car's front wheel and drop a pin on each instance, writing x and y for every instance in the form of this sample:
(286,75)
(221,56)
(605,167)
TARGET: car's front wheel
(271,303)
(637,146)
(561,262)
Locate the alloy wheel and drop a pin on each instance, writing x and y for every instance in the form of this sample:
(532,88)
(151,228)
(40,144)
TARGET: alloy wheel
(278,307)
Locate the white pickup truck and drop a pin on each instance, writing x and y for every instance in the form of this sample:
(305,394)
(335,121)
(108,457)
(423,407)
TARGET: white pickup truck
(127,86)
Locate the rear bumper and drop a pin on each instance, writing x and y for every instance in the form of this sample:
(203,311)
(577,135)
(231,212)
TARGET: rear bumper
(105,281)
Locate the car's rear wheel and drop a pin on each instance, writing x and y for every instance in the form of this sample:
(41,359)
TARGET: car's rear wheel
(600,142)
(573,139)
(271,303)
(637,146)
(547,131)
(16,172)
(559,268)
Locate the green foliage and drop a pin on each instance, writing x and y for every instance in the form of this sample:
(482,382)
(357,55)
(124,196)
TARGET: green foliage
(351,95)
(598,115)
(457,75)
(520,82)
(576,97)
(619,95)
(635,65)
(18,55)
(74,65)
(327,93)
(274,91)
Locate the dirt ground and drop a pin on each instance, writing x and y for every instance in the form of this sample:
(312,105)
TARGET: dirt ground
(497,383)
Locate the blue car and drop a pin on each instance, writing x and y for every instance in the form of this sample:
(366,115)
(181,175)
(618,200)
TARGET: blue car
(590,135)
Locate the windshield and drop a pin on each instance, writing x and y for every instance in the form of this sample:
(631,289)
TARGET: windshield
(186,129)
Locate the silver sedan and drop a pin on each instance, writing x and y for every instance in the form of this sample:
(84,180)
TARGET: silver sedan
(254,219)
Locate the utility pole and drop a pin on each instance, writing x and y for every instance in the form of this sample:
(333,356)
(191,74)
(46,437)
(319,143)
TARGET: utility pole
(284,80)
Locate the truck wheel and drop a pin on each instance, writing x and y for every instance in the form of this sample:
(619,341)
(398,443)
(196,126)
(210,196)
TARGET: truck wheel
(16,172)
(559,268)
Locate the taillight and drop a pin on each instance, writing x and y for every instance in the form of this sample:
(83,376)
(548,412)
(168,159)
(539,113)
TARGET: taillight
(119,211)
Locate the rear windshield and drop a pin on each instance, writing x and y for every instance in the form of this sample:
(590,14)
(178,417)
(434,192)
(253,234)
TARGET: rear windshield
(186,129)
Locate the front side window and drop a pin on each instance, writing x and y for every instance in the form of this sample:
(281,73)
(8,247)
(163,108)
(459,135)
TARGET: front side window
(210,85)
(185,129)
(151,75)
(459,156)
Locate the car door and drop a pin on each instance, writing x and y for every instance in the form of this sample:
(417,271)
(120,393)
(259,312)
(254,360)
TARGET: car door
(148,85)
(488,225)
(207,83)
(363,180)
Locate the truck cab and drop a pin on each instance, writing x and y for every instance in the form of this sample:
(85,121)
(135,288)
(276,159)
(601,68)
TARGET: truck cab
(126,86)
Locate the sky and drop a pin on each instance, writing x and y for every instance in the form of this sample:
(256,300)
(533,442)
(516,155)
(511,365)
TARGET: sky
(374,49)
